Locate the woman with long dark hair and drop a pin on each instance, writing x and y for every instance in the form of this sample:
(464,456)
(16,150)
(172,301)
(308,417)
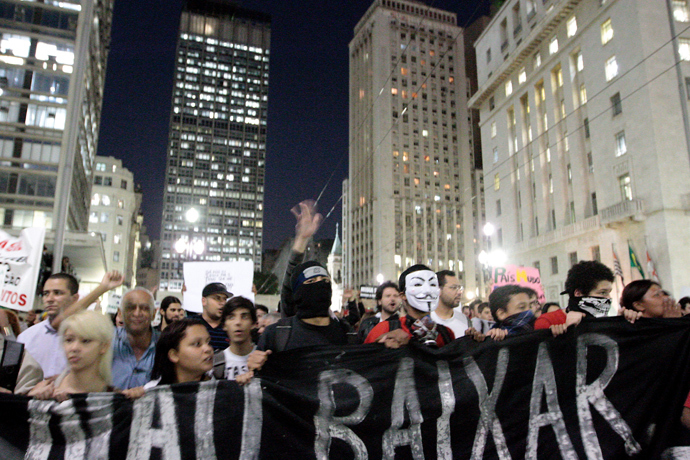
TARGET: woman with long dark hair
(648,298)
(183,354)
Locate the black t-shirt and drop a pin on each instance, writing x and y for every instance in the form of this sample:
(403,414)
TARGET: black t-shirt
(301,334)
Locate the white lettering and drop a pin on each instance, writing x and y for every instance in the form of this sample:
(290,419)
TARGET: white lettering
(328,425)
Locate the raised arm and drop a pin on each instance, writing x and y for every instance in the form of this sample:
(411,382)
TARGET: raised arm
(110,280)
(308,222)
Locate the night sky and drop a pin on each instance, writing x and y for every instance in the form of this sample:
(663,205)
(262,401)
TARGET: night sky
(307,103)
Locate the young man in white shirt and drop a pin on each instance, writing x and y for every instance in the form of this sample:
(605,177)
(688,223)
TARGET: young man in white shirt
(448,311)
(238,318)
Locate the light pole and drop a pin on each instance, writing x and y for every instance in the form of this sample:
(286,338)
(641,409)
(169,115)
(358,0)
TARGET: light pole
(187,244)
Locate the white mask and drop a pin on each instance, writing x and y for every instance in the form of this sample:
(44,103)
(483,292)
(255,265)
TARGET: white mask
(422,291)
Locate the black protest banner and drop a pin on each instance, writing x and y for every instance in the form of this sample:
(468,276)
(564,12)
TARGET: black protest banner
(606,389)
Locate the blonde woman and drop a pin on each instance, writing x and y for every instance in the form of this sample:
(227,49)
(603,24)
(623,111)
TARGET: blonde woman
(86,339)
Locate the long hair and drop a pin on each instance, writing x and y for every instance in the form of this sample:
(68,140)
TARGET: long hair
(95,326)
(170,339)
(634,291)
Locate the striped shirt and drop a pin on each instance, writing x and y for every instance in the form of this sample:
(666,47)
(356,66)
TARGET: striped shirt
(219,338)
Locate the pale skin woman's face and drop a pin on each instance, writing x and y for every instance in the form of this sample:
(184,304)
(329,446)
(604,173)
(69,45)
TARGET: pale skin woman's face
(81,352)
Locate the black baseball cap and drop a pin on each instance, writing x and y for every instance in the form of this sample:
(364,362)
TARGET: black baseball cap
(215,288)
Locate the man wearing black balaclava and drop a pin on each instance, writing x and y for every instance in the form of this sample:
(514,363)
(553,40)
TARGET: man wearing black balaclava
(306,295)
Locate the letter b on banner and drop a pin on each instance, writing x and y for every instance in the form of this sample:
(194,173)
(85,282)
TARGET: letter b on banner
(328,425)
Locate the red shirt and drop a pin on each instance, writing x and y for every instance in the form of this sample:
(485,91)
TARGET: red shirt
(384,327)
(550,319)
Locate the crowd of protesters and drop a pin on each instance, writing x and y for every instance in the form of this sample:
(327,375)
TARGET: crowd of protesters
(74,350)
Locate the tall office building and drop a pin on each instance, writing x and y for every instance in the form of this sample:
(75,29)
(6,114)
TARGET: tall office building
(409,191)
(214,184)
(52,68)
(585,135)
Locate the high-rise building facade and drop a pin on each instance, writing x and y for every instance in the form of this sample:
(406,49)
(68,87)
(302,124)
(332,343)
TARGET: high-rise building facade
(409,193)
(585,135)
(53,58)
(214,184)
(114,215)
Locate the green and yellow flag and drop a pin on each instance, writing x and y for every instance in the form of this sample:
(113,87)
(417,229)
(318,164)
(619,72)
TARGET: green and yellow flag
(634,263)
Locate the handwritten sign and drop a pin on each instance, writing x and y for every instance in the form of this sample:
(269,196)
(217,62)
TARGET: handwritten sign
(22,258)
(237,276)
(522,276)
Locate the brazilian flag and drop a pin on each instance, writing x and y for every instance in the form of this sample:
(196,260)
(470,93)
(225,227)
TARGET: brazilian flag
(634,263)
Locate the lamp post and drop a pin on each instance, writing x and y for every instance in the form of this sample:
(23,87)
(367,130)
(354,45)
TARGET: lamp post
(187,244)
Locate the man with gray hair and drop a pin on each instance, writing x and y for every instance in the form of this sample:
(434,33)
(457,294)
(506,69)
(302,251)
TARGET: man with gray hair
(134,345)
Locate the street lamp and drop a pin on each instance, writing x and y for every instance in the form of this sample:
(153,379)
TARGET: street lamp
(187,244)
(379,278)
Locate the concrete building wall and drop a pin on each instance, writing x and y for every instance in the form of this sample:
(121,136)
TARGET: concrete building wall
(583,163)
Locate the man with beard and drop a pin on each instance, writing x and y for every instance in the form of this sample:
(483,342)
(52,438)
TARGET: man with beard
(213,299)
(60,299)
(305,302)
(387,303)
(171,311)
(420,297)
(448,312)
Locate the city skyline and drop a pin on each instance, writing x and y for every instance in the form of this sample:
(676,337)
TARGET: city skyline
(307,115)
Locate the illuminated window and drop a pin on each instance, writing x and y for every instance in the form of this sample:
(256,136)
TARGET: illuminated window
(537,60)
(495,154)
(425,133)
(579,62)
(684,49)
(105,200)
(583,94)
(553,45)
(93,218)
(100,166)
(680,10)
(403,71)
(522,76)
(625,184)
(571,26)
(493,129)
(394,91)
(497,182)
(621,148)
(606,32)
(611,68)
(509,88)
(117,238)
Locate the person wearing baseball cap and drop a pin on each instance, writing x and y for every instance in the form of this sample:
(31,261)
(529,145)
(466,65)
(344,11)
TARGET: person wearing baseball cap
(213,298)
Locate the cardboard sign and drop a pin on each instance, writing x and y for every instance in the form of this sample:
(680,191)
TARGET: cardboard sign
(237,276)
(522,276)
(22,258)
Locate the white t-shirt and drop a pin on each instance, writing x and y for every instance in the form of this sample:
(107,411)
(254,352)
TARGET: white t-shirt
(457,323)
(235,365)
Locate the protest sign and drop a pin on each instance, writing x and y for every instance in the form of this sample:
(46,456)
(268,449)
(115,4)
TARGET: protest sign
(522,276)
(22,258)
(237,277)
(605,390)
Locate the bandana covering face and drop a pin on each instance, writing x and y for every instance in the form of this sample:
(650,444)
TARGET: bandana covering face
(313,300)
(422,291)
(423,330)
(594,306)
(519,322)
